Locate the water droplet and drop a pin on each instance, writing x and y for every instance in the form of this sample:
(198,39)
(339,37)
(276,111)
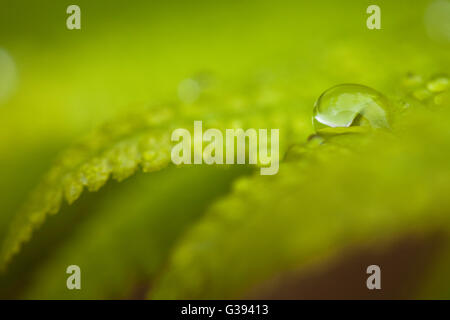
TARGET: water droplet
(350,105)
(189,90)
(438,83)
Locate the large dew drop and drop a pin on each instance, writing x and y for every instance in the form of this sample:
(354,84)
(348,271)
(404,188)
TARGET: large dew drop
(350,105)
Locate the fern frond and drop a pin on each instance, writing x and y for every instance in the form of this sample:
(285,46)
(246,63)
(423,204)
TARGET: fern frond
(129,232)
(116,150)
(142,140)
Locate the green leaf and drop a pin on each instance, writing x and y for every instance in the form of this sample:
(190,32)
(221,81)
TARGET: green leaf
(353,191)
(131,227)
(116,149)
(141,140)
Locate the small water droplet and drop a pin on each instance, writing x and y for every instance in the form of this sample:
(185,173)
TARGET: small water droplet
(438,83)
(350,105)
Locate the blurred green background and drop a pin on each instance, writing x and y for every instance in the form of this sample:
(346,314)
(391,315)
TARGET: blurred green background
(57,85)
